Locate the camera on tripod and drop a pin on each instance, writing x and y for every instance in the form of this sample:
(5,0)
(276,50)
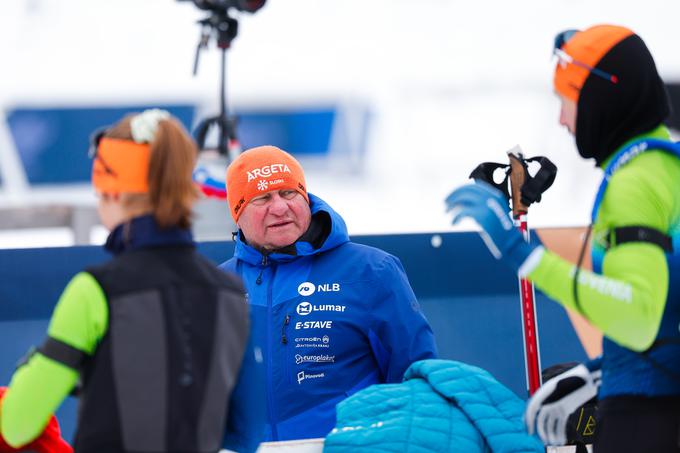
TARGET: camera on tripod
(249,6)
(224,28)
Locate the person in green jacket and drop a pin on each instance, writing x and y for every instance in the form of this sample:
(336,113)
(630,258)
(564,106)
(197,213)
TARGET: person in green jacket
(614,103)
(157,339)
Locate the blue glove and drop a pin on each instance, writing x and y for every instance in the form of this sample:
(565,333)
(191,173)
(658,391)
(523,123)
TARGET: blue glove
(489,208)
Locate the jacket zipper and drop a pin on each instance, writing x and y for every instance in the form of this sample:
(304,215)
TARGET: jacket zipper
(270,386)
(286,321)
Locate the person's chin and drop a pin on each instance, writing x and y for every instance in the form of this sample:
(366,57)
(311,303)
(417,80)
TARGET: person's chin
(283,238)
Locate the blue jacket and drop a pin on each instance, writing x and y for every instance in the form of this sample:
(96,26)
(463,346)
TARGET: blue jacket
(441,406)
(334,319)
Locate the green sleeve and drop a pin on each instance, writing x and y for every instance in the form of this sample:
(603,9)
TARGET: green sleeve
(627,300)
(80,319)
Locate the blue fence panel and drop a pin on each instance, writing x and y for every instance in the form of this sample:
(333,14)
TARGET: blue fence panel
(53,143)
(302,132)
(470,299)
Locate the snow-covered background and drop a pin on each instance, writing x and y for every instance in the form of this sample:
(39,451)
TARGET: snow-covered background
(449,84)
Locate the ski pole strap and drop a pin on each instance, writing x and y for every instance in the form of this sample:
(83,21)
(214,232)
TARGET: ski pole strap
(532,187)
(625,155)
(626,234)
(535,185)
(484,172)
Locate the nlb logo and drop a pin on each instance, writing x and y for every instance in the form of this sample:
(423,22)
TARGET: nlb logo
(328,287)
(305,308)
(306,289)
(301,376)
(267,170)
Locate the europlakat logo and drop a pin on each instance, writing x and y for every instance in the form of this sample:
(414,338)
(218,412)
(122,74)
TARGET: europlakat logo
(314,358)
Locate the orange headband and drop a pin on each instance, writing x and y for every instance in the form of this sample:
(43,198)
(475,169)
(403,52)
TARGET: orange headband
(121,166)
(587,46)
(260,170)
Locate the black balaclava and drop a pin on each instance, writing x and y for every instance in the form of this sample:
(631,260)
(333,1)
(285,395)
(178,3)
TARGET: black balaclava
(610,114)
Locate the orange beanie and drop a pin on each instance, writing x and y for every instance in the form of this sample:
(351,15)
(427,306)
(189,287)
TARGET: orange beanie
(260,170)
(588,47)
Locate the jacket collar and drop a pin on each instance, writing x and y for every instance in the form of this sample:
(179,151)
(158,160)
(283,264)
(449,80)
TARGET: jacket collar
(660,132)
(143,232)
(304,246)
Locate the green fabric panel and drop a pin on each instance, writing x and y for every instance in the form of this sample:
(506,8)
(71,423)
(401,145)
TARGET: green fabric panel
(80,319)
(627,301)
(81,316)
(628,313)
(35,392)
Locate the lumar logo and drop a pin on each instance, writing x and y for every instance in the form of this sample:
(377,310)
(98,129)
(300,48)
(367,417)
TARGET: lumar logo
(305,308)
(267,171)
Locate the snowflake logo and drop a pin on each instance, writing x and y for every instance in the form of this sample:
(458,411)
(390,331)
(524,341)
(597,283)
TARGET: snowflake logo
(262,185)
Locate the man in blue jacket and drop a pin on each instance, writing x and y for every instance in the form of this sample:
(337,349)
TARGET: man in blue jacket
(337,316)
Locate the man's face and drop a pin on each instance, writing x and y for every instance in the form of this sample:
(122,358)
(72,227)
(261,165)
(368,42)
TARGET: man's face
(568,114)
(275,219)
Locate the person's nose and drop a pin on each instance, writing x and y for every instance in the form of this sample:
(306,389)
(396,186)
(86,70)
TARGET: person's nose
(563,120)
(278,205)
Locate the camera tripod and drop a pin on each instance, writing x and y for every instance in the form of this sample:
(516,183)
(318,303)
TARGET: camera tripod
(226,28)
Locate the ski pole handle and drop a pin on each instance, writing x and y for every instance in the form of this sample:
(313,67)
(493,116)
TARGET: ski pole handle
(517,178)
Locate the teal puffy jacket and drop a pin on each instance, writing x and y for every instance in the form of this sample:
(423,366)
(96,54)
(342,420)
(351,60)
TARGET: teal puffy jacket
(442,406)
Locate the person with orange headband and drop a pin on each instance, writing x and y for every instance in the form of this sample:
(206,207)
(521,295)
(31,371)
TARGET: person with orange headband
(157,340)
(614,103)
(339,316)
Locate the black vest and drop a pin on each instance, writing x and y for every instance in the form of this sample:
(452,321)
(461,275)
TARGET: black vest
(161,378)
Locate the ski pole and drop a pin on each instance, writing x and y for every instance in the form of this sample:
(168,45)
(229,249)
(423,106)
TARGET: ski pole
(532,355)
(525,190)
